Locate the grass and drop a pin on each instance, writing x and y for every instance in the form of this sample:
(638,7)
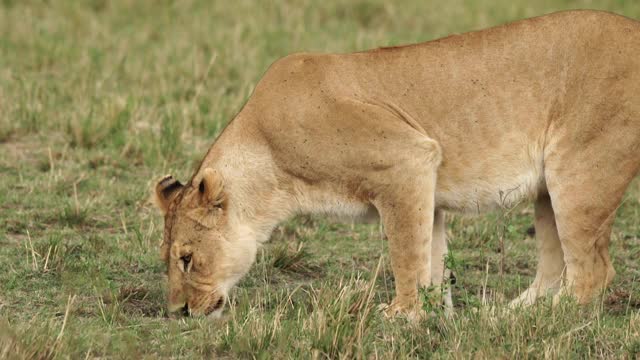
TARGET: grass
(98,99)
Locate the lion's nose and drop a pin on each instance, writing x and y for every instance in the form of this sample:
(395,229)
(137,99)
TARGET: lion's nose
(185,310)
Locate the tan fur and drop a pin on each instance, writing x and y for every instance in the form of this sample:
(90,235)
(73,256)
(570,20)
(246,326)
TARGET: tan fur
(546,108)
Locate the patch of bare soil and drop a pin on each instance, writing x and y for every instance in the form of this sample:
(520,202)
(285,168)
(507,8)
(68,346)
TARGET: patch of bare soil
(20,150)
(620,300)
(137,300)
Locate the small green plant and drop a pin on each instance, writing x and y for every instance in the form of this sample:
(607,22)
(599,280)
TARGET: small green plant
(293,259)
(452,262)
(431,298)
(73,217)
(110,308)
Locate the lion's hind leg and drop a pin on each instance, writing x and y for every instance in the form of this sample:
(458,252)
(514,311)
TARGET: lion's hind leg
(551,265)
(586,187)
(585,233)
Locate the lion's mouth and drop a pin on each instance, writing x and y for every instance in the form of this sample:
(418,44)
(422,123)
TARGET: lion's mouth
(217,305)
(185,310)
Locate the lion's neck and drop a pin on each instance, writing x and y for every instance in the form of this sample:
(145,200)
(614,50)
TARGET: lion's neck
(258,200)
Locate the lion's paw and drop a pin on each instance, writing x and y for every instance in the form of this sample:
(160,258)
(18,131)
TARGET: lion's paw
(409,309)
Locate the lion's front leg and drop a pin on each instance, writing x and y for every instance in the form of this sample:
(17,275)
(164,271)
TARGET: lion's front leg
(407,212)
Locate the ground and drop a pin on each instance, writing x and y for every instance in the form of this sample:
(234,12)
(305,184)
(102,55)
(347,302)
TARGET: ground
(98,99)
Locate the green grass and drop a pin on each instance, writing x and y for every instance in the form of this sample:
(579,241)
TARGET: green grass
(98,99)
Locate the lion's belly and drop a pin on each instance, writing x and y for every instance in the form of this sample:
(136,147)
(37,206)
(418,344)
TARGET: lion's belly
(477,196)
(485,188)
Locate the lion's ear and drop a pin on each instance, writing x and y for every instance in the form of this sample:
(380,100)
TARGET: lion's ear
(210,188)
(166,190)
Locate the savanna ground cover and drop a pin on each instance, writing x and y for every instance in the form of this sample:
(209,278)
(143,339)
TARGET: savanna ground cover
(98,99)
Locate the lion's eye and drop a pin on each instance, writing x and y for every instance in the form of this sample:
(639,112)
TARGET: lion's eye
(186,260)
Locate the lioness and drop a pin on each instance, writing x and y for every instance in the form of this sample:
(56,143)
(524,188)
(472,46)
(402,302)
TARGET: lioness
(546,109)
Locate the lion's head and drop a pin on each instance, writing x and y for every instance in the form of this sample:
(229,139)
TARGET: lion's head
(206,252)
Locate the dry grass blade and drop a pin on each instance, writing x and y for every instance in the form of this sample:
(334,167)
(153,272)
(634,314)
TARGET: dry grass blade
(66,316)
